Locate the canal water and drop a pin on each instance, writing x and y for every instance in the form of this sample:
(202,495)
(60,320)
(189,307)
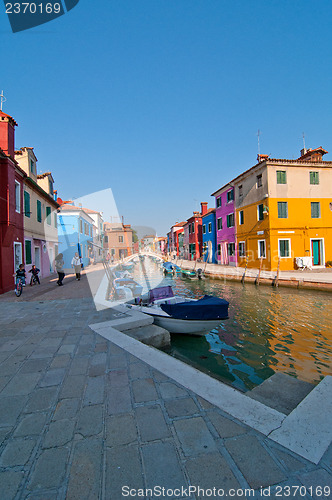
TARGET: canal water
(269,330)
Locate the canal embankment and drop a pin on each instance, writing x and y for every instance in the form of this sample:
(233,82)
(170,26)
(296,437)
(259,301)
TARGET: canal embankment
(316,279)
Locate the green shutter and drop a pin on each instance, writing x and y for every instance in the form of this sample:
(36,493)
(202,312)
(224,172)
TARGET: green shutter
(48,215)
(282,210)
(28,252)
(260,212)
(284,248)
(314,177)
(39,211)
(55,220)
(315,209)
(281,177)
(26,204)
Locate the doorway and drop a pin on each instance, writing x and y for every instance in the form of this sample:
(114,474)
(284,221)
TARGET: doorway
(17,255)
(37,257)
(317,251)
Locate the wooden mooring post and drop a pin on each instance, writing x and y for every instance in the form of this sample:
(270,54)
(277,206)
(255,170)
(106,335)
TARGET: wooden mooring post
(259,272)
(276,281)
(245,270)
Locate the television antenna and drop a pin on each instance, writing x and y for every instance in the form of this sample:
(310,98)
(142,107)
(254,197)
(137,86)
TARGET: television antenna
(303,140)
(2,100)
(258,144)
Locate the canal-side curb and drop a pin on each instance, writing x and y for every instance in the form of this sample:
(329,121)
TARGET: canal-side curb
(305,431)
(303,281)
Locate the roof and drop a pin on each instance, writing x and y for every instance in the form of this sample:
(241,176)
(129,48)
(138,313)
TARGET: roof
(45,174)
(303,159)
(10,118)
(210,211)
(311,152)
(179,224)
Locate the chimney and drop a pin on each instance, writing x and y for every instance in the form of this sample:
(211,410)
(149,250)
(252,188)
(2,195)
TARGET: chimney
(204,208)
(7,134)
(262,158)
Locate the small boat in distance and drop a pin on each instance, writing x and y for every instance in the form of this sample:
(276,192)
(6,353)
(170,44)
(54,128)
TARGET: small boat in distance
(181,314)
(170,268)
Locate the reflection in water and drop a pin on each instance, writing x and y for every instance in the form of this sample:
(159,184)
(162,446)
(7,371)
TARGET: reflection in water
(269,330)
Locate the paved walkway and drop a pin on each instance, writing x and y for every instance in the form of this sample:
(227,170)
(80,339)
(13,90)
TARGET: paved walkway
(82,418)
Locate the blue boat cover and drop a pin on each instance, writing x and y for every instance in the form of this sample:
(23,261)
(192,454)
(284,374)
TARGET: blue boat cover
(170,265)
(208,307)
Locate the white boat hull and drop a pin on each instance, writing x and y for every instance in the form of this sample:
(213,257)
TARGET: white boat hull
(174,325)
(186,326)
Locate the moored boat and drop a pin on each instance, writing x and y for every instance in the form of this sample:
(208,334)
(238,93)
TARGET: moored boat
(181,314)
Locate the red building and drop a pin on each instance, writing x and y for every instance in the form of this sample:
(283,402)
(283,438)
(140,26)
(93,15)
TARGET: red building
(11,205)
(194,225)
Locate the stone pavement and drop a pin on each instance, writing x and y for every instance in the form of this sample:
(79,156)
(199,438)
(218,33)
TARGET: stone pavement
(81,418)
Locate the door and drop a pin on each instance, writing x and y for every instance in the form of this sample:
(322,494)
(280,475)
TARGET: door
(17,255)
(316,252)
(37,257)
(51,256)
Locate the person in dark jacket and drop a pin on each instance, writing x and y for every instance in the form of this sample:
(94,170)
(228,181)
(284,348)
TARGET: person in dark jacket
(59,263)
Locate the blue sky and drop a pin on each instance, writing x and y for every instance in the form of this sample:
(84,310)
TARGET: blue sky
(161,100)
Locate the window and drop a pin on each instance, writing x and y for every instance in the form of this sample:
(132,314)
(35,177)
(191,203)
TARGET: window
(241,217)
(28,252)
(55,220)
(315,209)
(50,187)
(86,228)
(261,249)
(120,239)
(242,249)
(282,210)
(189,228)
(81,226)
(18,197)
(281,177)
(231,249)
(204,228)
(260,210)
(48,215)
(32,167)
(230,196)
(39,211)
(192,227)
(106,239)
(219,202)
(219,223)
(27,204)
(284,248)
(210,227)
(219,250)
(259,182)
(240,191)
(230,220)
(314,177)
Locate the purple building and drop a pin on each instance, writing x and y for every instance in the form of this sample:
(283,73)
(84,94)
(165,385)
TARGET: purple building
(225,225)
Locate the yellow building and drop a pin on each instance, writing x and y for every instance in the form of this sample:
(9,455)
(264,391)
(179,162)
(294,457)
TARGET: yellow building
(284,212)
(40,215)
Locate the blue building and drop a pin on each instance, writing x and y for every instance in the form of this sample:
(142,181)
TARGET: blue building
(209,236)
(75,234)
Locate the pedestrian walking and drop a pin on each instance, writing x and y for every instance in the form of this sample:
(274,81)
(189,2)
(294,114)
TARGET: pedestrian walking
(76,263)
(59,263)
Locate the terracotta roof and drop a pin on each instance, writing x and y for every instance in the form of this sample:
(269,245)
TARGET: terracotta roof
(209,212)
(45,174)
(179,224)
(8,116)
(310,152)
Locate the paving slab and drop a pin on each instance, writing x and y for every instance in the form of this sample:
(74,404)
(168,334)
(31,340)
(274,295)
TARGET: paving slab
(281,392)
(307,430)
